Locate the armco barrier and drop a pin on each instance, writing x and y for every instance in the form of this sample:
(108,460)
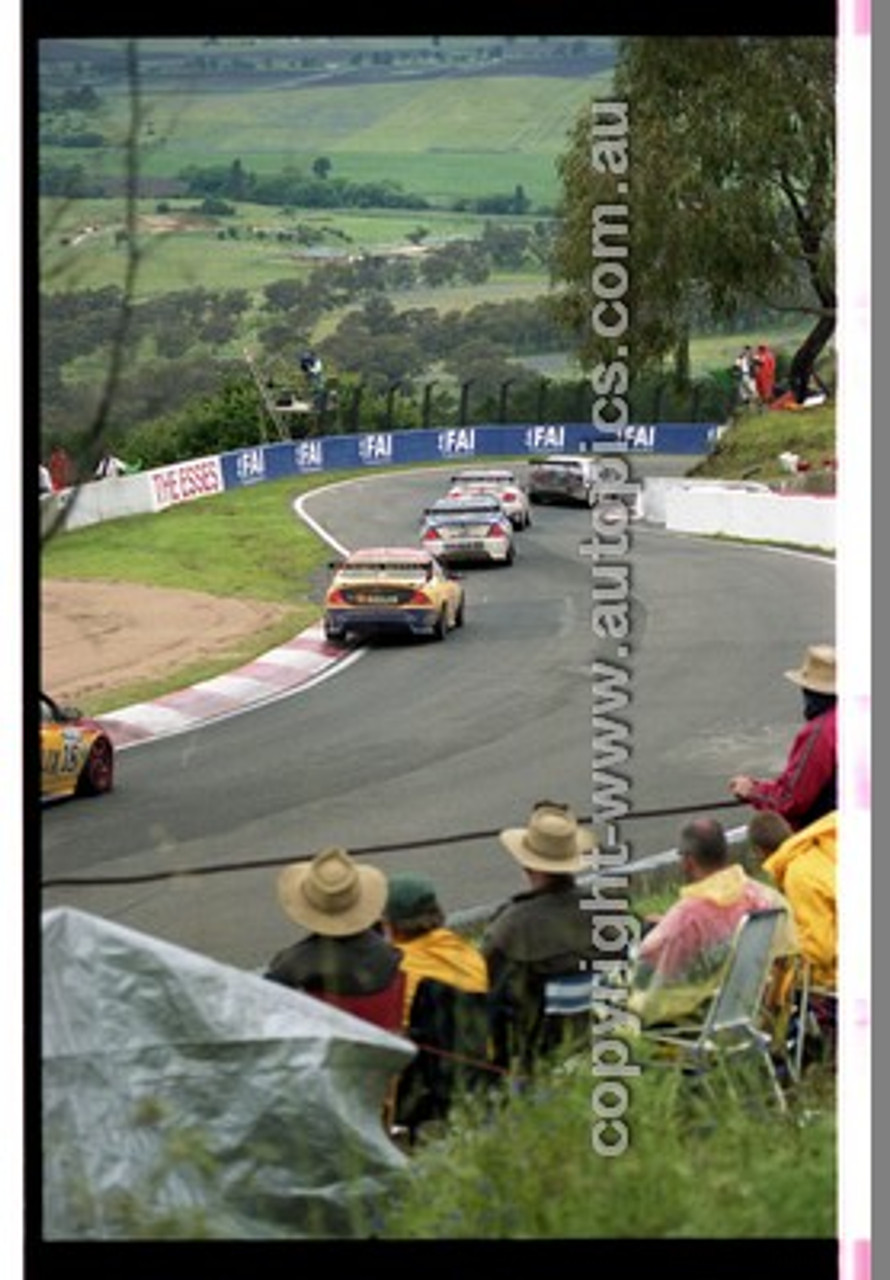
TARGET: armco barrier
(180,482)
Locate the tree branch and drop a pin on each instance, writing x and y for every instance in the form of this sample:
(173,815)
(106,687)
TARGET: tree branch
(97,430)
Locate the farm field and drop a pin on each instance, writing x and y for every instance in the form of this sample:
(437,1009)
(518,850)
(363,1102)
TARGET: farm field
(445,138)
(80,249)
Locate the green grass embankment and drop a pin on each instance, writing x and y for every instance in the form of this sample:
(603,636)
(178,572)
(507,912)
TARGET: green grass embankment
(750,448)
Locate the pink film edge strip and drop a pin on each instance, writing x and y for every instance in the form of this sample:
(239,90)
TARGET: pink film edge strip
(854,1258)
(862,18)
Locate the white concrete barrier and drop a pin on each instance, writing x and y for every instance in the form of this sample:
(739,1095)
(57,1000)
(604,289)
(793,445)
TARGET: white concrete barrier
(656,488)
(99,500)
(146,491)
(806,520)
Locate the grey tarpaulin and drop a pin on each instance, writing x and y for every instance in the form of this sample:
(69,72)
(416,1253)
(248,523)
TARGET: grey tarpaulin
(184,1098)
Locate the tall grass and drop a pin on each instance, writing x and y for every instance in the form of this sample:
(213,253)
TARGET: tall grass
(686,1173)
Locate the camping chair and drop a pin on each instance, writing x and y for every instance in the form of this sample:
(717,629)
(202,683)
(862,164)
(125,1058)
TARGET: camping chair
(568,995)
(800,1015)
(731,1030)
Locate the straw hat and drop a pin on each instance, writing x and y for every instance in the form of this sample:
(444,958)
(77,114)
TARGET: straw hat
(818,671)
(332,894)
(553,841)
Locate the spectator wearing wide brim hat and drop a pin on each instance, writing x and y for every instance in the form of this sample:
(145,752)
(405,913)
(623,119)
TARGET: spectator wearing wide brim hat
(539,934)
(344,960)
(553,842)
(806,789)
(818,671)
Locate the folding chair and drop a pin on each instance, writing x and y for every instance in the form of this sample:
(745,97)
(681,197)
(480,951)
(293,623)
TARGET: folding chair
(568,995)
(731,1030)
(811,999)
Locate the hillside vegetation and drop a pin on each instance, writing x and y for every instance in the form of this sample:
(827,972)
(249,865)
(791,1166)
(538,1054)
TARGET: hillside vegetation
(422,257)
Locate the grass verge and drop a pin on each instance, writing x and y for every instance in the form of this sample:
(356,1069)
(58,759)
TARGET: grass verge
(244,544)
(750,448)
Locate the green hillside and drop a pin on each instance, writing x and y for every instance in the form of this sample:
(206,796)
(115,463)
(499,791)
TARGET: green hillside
(442,138)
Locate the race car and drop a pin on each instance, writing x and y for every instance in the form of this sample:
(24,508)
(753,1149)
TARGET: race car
(76,754)
(392,589)
(499,481)
(472,528)
(562,478)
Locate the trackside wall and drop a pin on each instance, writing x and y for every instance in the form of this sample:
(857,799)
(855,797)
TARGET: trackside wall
(162,487)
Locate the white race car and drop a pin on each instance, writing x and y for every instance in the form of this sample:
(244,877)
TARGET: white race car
(474,527)
(500,481)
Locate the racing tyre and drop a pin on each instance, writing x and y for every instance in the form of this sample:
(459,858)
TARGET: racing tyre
(440,630)
(459,616)
(334,635)
(97,775)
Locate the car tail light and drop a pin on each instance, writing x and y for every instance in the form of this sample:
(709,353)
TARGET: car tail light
(497,531)
(335,597)
(419,597)
(510,496)
(432,535)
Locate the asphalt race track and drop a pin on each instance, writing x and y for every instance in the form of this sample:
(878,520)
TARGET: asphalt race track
(418,740)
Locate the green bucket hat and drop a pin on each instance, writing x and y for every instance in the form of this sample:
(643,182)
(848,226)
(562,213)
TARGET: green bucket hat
(408,896)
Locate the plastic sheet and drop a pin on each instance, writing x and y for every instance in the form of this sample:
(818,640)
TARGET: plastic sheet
(186,1099)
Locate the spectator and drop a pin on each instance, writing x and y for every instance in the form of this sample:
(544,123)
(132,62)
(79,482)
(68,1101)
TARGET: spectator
(109,466)
(345,960)
(539,934)
(415,921)
(765,373)
(446,1004)
(804,867)
(766,831)
(806,789)
(679,963)
(61,468)
(744,371)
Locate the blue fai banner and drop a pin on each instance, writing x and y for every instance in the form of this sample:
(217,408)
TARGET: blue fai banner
(258,463)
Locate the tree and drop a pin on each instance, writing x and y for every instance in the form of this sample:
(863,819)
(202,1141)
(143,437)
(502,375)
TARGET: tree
(727,186)
(94,440)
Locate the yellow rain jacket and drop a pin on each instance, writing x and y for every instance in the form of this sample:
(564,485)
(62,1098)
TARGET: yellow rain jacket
(444,955)
(805,869)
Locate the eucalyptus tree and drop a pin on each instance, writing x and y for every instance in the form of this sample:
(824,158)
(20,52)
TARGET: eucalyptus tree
(725,175)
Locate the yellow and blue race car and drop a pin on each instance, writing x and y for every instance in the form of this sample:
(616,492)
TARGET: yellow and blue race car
(386,589)
(76,754)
